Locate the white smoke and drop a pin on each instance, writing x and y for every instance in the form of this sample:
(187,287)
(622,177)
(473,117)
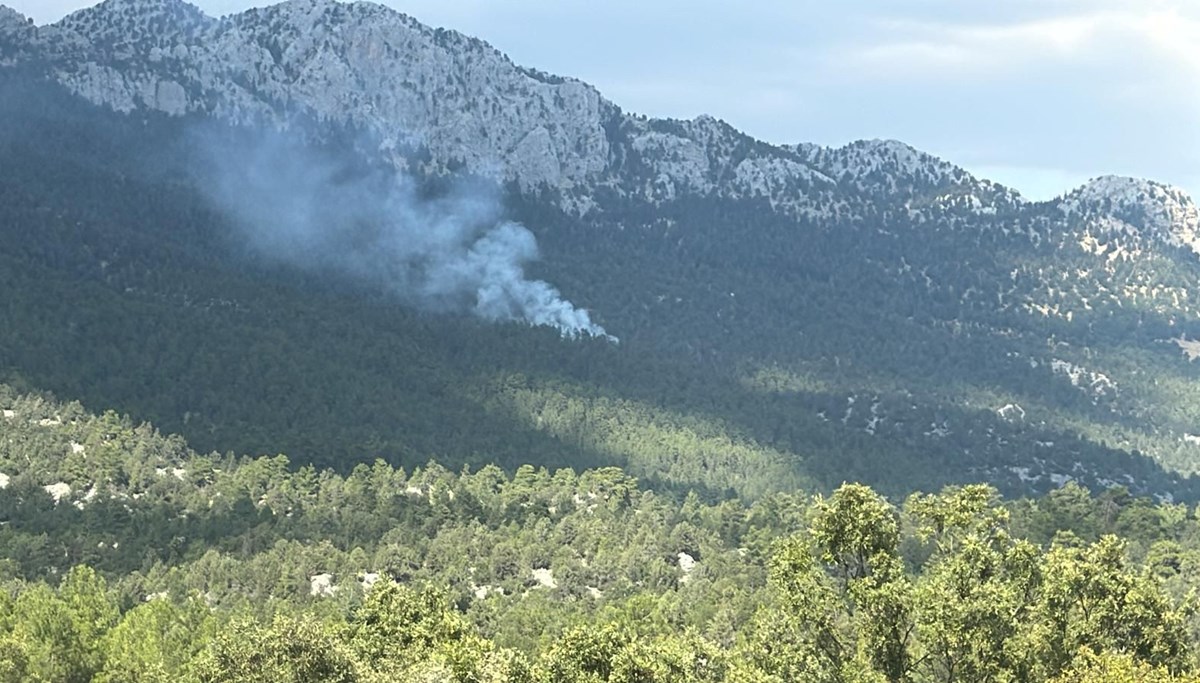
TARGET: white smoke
(449,253)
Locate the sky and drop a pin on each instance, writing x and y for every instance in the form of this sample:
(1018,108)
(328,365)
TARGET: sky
(1040,95)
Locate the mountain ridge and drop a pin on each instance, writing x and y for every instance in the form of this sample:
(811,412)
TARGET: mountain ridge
(566,143)
(787,313)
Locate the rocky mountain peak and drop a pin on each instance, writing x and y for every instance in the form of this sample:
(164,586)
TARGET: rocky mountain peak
(1161,210)
(862,158)
(126,29)
(133,11)
(314,13)
(15,29)
(11,18)
(897,171)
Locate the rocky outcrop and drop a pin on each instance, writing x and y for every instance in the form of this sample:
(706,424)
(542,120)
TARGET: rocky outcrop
(1139,208)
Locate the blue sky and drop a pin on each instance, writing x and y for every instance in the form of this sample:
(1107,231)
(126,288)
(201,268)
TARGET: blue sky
(1037,94)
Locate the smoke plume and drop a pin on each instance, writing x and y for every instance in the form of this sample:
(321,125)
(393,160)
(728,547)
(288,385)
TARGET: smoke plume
(326,212)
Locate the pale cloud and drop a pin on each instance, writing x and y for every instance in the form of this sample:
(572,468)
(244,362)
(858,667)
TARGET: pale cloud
(985,49)
(1067,91)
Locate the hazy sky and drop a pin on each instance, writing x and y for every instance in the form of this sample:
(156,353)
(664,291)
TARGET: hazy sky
(1038,94)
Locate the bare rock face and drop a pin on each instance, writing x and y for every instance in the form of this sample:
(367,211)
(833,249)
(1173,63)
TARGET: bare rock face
(358,63)
(321,585)
(58,491)
(544,577)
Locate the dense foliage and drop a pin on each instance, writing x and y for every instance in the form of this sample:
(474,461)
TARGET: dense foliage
(759,353)
(127,556)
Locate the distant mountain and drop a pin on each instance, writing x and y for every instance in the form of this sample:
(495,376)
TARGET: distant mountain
(789,315)
(464,101)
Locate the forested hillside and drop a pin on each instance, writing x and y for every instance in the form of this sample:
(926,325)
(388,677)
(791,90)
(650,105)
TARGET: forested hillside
(465,374)
(124,555)
(753,358)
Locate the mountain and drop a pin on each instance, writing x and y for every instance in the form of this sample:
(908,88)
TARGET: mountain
(464,101)
(789,315)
